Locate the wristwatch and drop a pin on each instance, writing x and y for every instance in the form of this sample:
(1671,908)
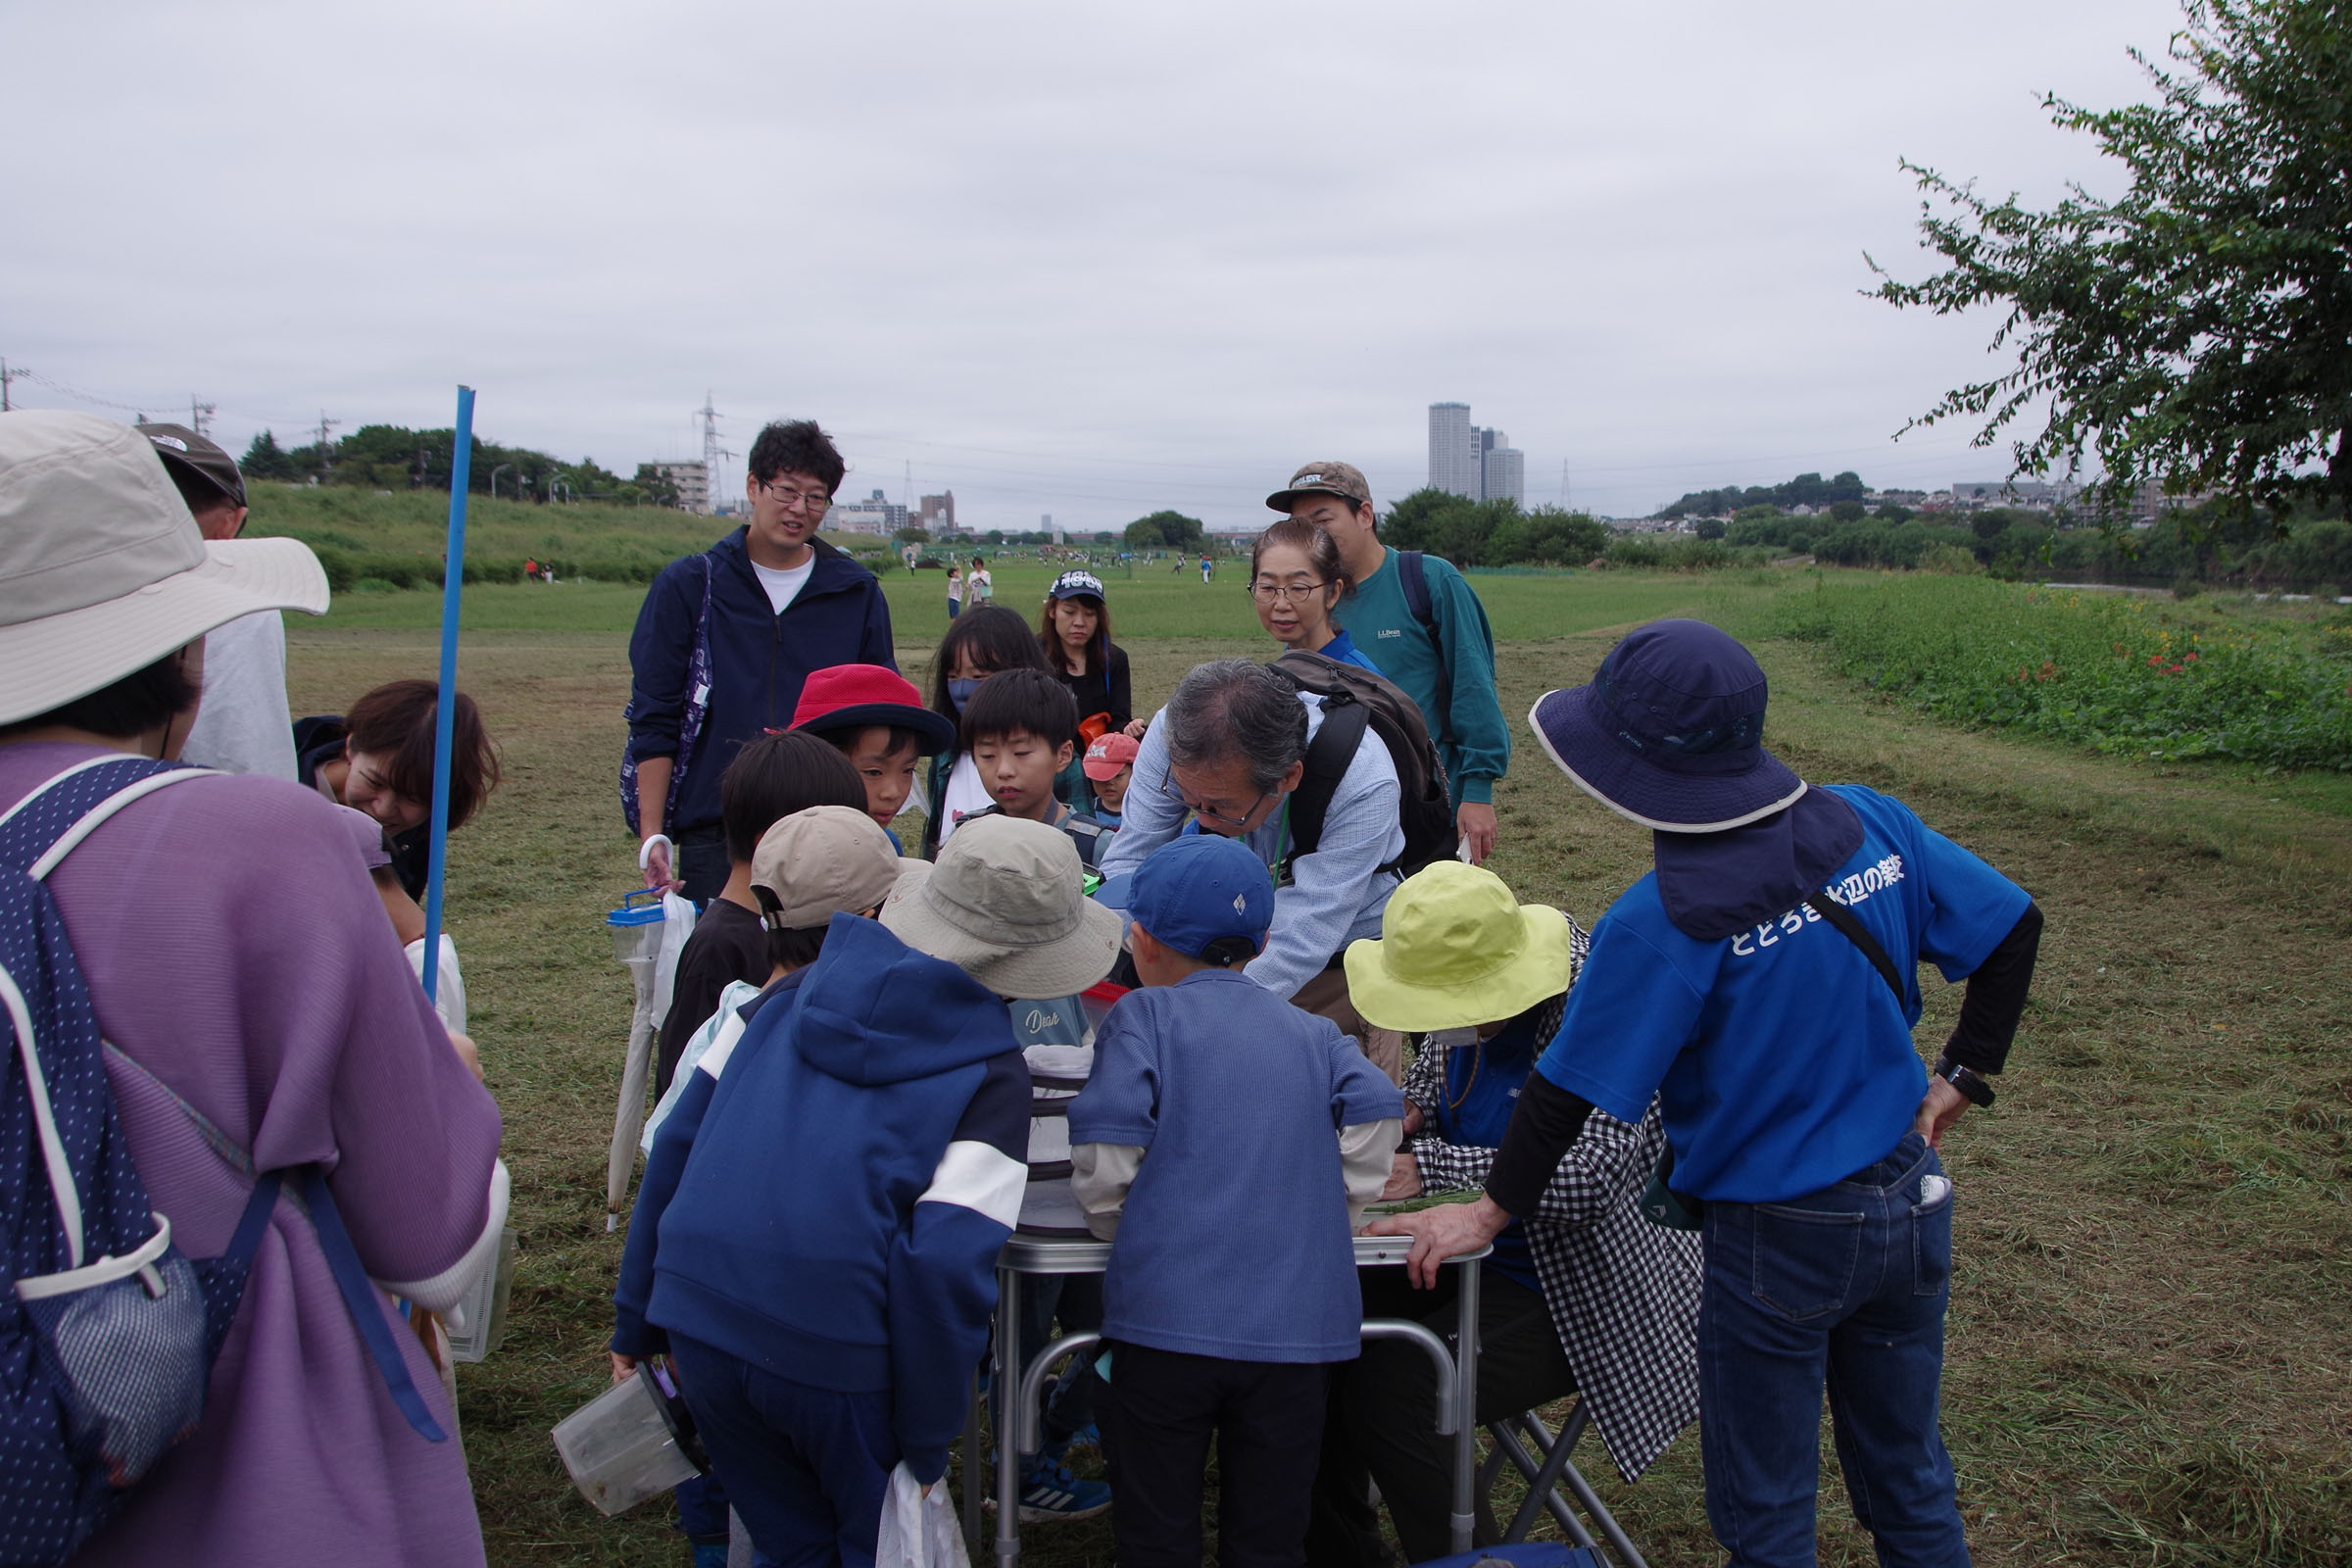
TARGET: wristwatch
(1973,1088)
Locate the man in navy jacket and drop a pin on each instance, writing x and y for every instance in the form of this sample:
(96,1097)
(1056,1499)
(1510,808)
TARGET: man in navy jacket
(724,640)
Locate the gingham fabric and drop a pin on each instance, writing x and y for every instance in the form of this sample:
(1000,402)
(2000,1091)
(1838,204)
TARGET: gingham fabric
(1623,1292)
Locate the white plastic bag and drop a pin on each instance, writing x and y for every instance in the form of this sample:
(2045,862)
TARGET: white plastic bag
(917,1532)
(677,924)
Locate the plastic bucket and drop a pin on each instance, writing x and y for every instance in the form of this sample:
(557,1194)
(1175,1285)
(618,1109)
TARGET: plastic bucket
(632,1441)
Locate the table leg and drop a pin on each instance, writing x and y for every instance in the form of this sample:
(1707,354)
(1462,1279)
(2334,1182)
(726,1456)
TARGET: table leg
(1465,1394)
(1003,1388)
(972,1471)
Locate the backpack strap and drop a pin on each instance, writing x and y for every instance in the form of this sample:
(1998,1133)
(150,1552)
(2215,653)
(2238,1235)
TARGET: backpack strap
(42,828)
(1854,931)
(1412,575)
(1328,755)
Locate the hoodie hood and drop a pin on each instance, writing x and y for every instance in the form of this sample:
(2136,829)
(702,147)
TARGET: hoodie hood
(873,1010)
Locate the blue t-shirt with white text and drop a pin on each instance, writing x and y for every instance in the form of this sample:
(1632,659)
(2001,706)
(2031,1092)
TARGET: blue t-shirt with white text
(1781,1058)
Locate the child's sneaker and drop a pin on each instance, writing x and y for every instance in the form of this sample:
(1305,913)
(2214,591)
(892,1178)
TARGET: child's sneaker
(1048,1491)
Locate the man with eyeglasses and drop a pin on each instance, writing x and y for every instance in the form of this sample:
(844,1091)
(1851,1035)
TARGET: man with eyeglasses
(1415,616)
(723,642)
(1229,752)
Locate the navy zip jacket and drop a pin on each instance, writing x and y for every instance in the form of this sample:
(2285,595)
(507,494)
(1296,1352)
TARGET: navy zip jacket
(850,1169)
(758,658)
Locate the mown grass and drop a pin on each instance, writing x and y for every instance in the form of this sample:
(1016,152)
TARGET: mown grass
(2149,1322)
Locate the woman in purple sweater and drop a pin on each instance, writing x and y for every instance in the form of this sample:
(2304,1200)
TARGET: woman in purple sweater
(238,961)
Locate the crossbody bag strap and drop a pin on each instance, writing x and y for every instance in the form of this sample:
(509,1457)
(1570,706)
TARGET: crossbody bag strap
(1854,931)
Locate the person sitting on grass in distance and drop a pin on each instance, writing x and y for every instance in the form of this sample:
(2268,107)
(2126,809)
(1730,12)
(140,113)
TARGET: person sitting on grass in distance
(1073,632)
(876,718)
(1584,1296)
(1209,1122)
(769,779)
(824,1271)
(378,759)
(981,641)
(1296,578)
(1109,769)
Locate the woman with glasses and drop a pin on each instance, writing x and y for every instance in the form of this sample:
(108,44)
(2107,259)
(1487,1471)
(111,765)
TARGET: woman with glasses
(1295,579)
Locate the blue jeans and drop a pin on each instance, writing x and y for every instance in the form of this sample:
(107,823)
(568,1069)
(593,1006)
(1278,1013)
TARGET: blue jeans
(807,1468)
(1845,1288)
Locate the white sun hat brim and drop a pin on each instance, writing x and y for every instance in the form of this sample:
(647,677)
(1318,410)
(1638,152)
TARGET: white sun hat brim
(49,661)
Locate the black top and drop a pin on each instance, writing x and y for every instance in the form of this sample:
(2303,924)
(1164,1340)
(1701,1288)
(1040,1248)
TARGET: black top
(728,944)
(1106,693)
(318,741)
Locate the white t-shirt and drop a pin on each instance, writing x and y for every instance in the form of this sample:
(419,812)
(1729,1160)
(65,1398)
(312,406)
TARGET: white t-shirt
(783,583)
(965,793)
(243,726)
(980,587)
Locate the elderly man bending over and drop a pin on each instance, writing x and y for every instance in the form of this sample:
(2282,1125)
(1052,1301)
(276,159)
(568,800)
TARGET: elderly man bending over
(1230,750)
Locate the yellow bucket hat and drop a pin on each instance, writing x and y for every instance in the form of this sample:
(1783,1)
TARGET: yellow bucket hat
(1455,949)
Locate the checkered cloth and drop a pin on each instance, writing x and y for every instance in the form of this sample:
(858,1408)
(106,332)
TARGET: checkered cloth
(1623,1292)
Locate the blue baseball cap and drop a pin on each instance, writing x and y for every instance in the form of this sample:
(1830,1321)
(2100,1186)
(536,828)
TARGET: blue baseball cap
(1204,895)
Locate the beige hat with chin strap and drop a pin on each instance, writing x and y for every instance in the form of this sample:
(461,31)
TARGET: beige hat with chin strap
(821,863)
(1004,904)
(102,569)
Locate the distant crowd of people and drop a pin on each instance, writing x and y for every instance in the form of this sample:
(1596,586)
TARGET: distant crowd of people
(1225,968)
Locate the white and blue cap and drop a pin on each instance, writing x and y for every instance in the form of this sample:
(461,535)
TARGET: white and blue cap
(1204,895)
(1076,585)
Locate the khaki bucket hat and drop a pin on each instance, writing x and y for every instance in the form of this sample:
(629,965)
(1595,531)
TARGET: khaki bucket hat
(102,569)
(1004,905)
(1457,948)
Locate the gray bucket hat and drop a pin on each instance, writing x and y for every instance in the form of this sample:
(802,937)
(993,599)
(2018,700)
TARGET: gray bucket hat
(1004,905)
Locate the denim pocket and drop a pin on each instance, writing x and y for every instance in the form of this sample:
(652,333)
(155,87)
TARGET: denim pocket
(1804,1259)
(1931,1236)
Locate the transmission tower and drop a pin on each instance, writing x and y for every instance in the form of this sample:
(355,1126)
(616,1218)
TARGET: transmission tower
(200,414)
(712,452)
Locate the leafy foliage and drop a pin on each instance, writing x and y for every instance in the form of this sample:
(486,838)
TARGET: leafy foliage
(391,456)
(2126,675)
(1492,533)
(2196,331)
(1166,530)
(1805,490)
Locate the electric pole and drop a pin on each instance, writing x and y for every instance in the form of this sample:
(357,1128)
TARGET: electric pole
(1563,484)
(200,414)
(6,375)
(325,425)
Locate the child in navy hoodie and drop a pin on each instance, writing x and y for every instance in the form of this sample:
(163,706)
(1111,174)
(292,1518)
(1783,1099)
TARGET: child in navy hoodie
(825,1270)
(1204,1148)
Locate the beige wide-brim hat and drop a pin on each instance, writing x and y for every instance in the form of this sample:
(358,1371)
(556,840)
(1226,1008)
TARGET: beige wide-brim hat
(1004,904)
(102,569)
(1457,948)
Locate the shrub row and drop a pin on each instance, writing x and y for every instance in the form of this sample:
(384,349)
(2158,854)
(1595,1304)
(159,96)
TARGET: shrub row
(347,568)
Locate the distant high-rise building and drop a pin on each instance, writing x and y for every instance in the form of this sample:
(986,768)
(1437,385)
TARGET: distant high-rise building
(693,482)
(1505,471)
(938,513)
(1456,462)
(876,515)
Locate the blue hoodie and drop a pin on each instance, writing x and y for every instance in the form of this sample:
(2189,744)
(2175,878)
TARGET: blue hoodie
(858,1160)
(758,658)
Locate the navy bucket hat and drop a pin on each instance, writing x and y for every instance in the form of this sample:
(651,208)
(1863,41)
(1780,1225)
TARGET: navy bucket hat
(1671,732)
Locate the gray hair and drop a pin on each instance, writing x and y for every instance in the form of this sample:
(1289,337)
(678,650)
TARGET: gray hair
(1234,708)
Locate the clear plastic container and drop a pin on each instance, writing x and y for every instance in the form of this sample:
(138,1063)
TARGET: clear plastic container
(627,1445)
(479,1324)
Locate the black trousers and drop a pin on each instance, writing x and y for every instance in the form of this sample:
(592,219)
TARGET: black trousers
(1383,1417)
(1159,1412)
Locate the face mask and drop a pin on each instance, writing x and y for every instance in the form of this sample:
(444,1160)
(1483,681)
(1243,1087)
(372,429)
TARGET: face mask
(960,692)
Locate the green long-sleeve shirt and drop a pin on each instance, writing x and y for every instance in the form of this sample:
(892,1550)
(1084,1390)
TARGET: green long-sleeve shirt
(1451,674)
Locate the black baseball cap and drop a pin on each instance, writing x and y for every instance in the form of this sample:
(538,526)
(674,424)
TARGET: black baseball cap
(188,456)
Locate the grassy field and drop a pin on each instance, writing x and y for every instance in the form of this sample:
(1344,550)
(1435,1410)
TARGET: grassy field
(2149,1326)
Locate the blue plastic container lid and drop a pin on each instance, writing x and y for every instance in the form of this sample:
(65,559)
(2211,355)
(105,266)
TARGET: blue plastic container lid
(641,908)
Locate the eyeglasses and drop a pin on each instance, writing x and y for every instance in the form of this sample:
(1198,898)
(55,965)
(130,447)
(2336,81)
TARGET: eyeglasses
(1272,593)
(1168,782)
(786,494)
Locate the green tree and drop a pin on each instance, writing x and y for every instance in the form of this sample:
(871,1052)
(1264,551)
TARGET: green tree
(913,534)
(659,488)
(265,458)
(2196,331)
(1708,528)
(1166,530)
(1847,510)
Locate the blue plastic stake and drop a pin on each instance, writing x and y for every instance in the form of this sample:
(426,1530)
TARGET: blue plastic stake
(453,584)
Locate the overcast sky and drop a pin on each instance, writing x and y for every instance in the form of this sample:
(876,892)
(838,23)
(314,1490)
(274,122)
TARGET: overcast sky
(1080,259)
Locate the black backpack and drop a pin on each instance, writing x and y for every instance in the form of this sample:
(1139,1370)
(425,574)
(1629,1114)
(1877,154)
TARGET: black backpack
(1354,699)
